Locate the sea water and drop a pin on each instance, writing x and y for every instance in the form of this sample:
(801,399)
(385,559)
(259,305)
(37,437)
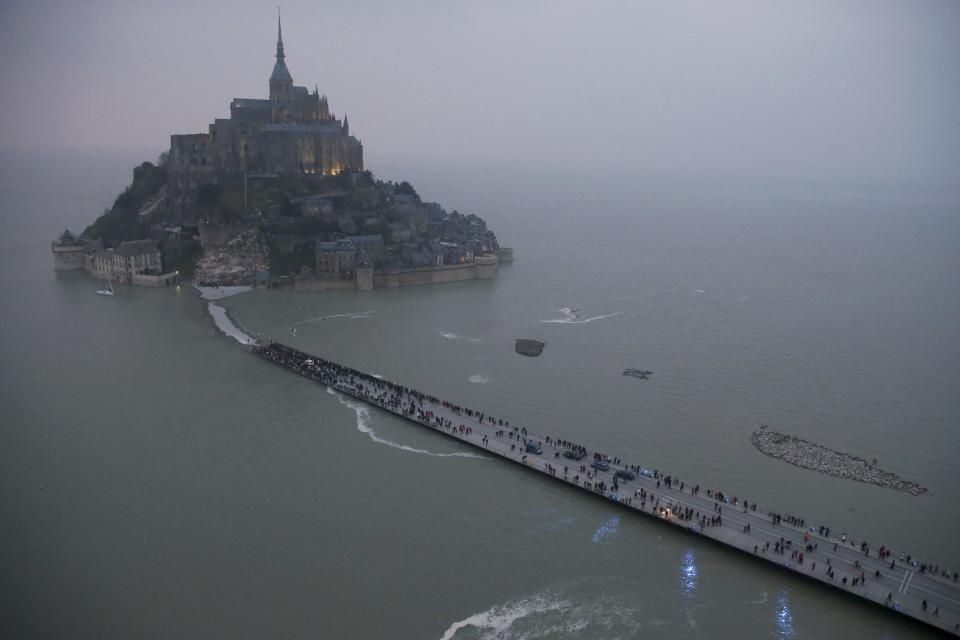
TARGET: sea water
(158,481)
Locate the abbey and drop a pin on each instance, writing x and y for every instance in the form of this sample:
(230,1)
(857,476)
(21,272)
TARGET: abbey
(291,132)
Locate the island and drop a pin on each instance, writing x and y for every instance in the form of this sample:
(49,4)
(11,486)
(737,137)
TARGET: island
(276,195)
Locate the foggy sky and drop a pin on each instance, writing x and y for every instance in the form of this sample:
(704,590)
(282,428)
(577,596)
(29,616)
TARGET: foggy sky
(860,90)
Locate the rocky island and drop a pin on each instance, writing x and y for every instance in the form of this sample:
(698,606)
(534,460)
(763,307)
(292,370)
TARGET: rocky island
(811,455)
(277,195)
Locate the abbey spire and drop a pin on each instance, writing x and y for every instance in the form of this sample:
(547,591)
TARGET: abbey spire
(280,80)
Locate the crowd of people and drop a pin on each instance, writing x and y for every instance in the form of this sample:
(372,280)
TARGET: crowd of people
(417,405)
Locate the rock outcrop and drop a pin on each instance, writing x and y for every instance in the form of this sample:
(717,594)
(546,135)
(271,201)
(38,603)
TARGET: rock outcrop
(235,262)
(527,347)
(811,455)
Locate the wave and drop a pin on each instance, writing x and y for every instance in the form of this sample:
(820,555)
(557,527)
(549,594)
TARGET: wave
(457,336)
(363,315)
(570,317)
(496,622)
(571,611)
(363,426)
(698,290)
(478,378)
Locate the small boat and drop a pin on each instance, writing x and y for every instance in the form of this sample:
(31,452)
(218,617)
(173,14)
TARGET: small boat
(108,291)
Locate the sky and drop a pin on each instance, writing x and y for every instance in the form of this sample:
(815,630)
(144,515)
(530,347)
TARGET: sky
(859,90)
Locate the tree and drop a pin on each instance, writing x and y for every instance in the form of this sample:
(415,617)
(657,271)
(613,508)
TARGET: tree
(406,189)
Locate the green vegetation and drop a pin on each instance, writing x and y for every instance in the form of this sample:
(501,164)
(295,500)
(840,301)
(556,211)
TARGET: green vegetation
(120,222)
(181,254)
(406,189)
(303,255)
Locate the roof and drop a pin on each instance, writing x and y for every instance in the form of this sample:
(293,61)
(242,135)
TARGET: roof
(136,247)
(338,246)
(280,72)
(251,103)
(375,237)
(325,127)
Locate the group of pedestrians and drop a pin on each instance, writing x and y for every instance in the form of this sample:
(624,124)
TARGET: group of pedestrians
(417,405)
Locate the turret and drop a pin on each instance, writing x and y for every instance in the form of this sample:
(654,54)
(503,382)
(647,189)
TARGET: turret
(280,80)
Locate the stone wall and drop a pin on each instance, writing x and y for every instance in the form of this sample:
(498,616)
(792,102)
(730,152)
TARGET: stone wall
(147,280)
(69,258)
(485,268)
(312,284)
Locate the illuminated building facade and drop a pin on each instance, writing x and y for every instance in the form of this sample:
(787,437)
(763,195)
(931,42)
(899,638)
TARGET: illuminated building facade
(291,132)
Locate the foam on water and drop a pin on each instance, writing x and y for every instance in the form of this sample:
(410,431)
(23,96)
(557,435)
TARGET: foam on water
(457,336)
(478,378)
(227,326)
(698,290)
(363,315)
(363,426)
(497,621)
(570,317)
(559,613)
(219,293)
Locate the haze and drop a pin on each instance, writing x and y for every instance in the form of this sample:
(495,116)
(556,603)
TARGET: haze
(832,90)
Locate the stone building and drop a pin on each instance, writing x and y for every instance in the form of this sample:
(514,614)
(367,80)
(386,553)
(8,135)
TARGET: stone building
(335,258)
(290,132)
(371,245)
(69,252)
(134,257)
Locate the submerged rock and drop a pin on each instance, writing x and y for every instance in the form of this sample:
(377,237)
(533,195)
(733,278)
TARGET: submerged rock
(531,348)
(811,455)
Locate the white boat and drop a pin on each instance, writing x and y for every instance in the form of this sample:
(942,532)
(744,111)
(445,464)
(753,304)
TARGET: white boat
(106,292)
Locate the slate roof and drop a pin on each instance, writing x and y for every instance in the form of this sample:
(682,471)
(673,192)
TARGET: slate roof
(251,103)
(136,247)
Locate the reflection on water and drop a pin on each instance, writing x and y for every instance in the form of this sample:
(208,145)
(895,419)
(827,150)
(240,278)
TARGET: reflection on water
(784,617)
(688,574)
(606,531)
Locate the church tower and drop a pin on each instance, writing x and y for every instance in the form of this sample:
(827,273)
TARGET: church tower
(280,80)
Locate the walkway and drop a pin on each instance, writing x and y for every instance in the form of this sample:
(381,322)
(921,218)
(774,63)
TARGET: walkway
(897,581)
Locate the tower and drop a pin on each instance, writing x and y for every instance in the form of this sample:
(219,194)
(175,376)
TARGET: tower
(280,80)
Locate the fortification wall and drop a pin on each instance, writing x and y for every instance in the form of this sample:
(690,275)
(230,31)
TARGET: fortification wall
(311,284)
(147,280)
(484,269)
(69,258)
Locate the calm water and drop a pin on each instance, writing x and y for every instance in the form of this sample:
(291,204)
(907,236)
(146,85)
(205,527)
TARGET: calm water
(156,481)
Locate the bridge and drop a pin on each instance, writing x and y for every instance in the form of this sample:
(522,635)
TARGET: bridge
(897,581)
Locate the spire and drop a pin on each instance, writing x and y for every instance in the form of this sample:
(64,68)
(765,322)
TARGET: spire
(280,79)
(346,125)
(280,55)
